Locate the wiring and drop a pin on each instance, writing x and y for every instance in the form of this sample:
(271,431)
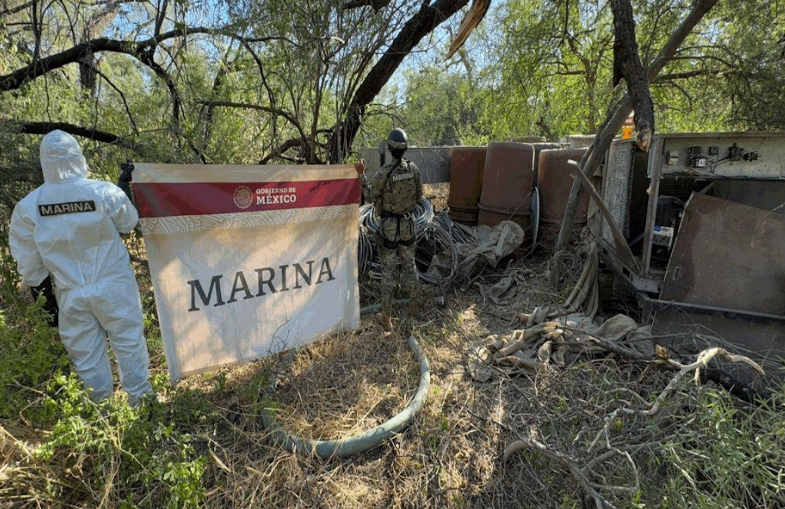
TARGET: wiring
(436,233)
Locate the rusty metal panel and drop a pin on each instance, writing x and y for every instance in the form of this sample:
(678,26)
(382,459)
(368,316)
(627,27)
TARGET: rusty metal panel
(554,181)
(761,194)
(507,184)
(468,165)
(728,255)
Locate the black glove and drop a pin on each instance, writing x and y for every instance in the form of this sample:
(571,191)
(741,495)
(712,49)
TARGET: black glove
(50,304)
(124,182)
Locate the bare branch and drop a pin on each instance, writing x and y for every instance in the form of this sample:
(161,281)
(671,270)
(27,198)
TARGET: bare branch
(285,114)
(122,97)
(377,5)
(84,132)
(287,145)
(578,473)
(413,31)
(688,74)
(14,10)
(17,78)
(160,16)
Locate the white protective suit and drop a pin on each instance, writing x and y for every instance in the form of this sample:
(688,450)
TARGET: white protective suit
(69,227)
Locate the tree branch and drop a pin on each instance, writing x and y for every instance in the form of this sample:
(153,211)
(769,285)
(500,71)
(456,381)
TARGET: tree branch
(377,5)
(147,57)
(16,79)
(14,10)
(276,111)
(613,123)
(224,69)
(687,75)
(627,64)
(288,144)
(122,97)
(84,132)
(413,31)
(160,16)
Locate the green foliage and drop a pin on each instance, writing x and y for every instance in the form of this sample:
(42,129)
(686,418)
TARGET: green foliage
(149,453)
(728,456)
(143,446)
(29,352)
(533,67)
(544,67)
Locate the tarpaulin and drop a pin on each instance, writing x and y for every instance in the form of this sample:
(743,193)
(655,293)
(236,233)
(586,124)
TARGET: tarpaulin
(248,260)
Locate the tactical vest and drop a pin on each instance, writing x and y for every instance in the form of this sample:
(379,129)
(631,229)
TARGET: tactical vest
(399,195)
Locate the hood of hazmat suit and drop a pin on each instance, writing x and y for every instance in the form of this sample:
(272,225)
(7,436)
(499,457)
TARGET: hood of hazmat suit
(70,227)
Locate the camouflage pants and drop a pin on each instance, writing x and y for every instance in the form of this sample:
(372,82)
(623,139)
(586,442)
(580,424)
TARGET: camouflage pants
(394,273)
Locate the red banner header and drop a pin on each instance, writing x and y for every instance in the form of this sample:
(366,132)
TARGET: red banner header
(204,198)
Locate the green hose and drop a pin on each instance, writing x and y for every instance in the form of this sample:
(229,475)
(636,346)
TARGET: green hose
(367,440)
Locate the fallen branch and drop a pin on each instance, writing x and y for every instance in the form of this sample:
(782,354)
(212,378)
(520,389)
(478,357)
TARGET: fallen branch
(583,473)
(701,362)
(577,472)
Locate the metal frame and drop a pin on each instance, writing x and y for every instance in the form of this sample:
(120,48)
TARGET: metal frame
(628,275)
(650,305)
(643,280)
(655,156)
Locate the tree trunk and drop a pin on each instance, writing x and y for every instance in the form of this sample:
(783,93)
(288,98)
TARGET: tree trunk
(627,64)
(415,29)
(591,160)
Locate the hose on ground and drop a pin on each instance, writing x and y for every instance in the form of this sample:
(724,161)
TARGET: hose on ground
(362,442)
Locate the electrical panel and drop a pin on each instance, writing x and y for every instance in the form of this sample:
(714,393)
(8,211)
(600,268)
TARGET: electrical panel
(723,155)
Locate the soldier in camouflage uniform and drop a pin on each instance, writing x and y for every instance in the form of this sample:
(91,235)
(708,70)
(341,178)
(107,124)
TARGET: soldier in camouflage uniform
(394,192)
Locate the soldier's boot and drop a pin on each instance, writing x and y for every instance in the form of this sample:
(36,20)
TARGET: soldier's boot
(383,319)
(414,307)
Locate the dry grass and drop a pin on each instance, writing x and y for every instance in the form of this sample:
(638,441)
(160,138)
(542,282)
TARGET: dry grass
(340,386)
(345,384)
(450,457)
(437,194)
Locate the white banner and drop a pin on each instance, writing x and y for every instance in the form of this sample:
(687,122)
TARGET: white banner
(248,260)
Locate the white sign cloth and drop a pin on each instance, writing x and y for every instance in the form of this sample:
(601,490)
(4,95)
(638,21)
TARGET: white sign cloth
(248,260)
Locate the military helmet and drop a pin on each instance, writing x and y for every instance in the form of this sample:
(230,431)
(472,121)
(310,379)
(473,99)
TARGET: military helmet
(397,140)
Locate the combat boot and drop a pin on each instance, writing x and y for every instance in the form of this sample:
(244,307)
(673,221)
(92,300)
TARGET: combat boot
(414,308)
(383,319)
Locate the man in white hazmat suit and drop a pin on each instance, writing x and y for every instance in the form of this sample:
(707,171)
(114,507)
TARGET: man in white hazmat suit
(70,227)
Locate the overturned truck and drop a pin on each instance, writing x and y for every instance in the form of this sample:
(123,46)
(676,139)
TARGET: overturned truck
(704,216)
